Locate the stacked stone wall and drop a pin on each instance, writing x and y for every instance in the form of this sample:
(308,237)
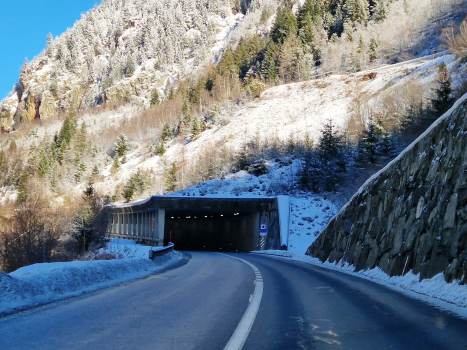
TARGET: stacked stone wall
(412,215)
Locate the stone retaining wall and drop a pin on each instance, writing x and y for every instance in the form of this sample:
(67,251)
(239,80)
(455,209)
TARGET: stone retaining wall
(412,215)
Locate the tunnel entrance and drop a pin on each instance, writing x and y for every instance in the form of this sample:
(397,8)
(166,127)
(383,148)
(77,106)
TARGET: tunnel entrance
(200,223)
(212,230)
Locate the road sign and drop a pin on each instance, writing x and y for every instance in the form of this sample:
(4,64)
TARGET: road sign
(263,230)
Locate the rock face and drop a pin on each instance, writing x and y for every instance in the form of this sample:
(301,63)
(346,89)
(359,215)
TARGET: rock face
(412,215)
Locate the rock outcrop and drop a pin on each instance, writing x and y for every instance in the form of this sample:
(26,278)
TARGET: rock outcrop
(411,215)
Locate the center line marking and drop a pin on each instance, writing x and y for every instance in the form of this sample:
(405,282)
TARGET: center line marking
(243,329)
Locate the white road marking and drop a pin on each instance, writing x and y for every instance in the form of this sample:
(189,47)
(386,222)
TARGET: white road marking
(243,329)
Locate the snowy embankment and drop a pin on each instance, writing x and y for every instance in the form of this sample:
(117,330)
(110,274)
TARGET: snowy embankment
(451,297)
(40,284)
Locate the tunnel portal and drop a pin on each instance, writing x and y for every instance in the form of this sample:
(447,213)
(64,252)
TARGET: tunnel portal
(200,223)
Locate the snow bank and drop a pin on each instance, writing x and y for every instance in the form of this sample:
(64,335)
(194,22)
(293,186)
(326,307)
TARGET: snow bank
(40,284)
(124,248)
(436,291)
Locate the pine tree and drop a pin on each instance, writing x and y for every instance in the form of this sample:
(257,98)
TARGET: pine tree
(386,146)
(159,148)
(81,139)
(49,47)
(155,101)
(170,177)
(94,174)
(285,24)
(367,147)
(227,65)
(269,65)
(324,167)
(120,146)
(166,132)
(356,10)
(195,127)
(378,10)
(136,185)
(63,138)
(374,52)
(443,99)
(290,59)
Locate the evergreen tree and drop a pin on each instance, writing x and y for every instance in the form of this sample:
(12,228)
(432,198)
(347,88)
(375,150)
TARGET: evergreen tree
(159,148)
(136,185)
(324,167)
(195,127)
(166,132)
(378,11)
(307,30)
(367,147)
(227,65)
(270,62)
(285,24)
(374,52)
(170,177)
(356,10)
(81,139)
(290,59)
(443,99)
(331,154)
(155,101)
(386,145)
(311,10)
(120,146)
(49,47)
(94,174)
(24,67)
(129,66)
(63,138)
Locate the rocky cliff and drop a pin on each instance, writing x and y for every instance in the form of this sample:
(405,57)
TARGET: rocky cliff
(412,215)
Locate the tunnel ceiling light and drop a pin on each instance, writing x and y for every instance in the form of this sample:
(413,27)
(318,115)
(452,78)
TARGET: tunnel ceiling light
(172,217)
(205,216)
(222,214)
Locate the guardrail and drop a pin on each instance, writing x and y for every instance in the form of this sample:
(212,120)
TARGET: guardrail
(159,252)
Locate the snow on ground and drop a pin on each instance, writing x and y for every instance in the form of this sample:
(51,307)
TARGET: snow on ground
(40,284)
(128,249)
(451,297)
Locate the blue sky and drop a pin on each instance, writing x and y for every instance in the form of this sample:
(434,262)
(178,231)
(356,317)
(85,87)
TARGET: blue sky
(24,25)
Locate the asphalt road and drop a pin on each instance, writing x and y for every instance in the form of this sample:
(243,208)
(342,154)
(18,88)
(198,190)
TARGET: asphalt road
(199,304)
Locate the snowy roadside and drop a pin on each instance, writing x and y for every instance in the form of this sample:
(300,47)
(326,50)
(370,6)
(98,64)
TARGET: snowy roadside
(40,284)
(451,297)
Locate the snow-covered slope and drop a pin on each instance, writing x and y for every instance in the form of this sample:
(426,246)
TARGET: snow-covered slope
(121,51)
(283,113)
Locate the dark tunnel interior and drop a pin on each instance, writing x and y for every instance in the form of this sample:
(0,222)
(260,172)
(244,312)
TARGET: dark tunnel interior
(212,230)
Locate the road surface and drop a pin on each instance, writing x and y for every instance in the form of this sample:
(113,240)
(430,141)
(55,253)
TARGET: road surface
(199,304)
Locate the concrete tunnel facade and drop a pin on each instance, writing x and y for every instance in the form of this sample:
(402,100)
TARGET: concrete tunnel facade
(200,223)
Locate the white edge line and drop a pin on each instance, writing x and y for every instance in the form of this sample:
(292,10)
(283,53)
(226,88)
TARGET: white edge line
(243,329)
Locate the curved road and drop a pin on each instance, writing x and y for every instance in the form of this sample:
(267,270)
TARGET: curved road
(199,304)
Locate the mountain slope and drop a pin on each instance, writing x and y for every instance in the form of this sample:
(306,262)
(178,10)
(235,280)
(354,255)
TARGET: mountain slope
(119,51)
